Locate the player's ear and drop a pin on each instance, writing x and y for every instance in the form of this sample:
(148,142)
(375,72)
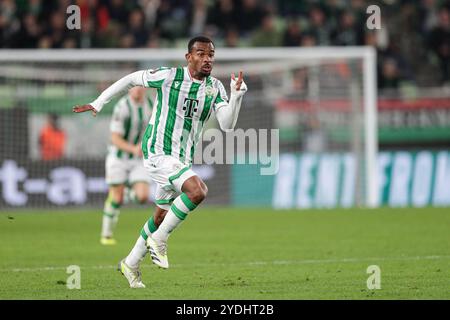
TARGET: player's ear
(187,56)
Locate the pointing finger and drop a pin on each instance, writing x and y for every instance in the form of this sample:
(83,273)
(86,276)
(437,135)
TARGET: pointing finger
(241,76)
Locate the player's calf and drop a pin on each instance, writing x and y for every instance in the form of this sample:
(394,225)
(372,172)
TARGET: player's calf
(111,214)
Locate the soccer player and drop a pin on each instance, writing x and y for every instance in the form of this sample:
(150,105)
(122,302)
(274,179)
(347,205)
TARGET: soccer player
(124,165)
(186,97)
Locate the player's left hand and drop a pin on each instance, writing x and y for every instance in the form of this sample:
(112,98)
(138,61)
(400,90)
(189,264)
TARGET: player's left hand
(84,108)
(238,85)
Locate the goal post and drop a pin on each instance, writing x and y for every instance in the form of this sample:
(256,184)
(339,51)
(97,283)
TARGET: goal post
(307,93)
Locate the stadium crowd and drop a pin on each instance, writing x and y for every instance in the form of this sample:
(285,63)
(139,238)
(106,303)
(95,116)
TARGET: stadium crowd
(413,43)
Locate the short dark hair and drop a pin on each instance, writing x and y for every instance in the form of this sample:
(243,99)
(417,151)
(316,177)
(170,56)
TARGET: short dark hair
(198,39)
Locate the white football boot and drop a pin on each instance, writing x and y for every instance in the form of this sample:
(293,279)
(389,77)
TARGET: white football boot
(158,252)
(133,275)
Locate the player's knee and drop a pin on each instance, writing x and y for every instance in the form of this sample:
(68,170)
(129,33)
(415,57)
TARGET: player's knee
(142,199)
(118,199)
(198,194)
(117,195)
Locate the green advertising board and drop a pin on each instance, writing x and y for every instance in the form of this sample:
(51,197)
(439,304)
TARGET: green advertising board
(414,179)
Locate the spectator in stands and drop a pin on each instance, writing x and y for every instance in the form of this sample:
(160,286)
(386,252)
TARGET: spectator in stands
(293,35)
(153,40)
(118,11)
(110,37)
(69,43)
(222,15)
(347,33)
(44,42)
(250,16)
(150,9)
(9,22)
(232,38)
(428,14)
(294,7)
(267,35)
(57,30)
(333,10)
(411,30)
(405,35)
(198,17)
(127,41)
(86,36)
(172,20)
(389,75)
(52,139)
(136,27)
(28,35)
(358,8)
(319,27)
(439,42)
(308,40)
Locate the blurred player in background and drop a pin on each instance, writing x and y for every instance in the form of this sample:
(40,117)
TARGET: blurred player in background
(186,97)
(125,173)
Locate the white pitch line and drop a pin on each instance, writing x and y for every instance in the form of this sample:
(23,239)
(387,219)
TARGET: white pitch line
(251,263)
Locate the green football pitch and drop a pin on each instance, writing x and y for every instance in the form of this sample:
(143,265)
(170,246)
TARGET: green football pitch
(220,253)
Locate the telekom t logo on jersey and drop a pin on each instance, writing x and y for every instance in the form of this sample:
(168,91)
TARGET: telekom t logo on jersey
(189,107)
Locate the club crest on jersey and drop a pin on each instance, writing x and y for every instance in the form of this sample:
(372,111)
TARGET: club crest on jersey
(209,91)
(190,106)
(177,84)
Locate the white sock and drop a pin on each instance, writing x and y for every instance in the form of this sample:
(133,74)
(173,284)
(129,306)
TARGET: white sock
(107,226)
(137,254)
(115,220)
(179,210)
(139,250)
(110,218)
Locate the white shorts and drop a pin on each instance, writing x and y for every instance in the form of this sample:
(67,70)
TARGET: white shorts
(169,173)
(121,171)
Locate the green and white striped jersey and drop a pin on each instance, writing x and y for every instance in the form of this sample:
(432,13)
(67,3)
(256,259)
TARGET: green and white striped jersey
(129,119)
(183,105)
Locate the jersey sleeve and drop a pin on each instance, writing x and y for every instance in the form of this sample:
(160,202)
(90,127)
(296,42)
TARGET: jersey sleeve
(154,78)
(120,115)
(221,98)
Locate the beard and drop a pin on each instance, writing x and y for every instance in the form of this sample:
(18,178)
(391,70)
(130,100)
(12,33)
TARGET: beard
(204,73)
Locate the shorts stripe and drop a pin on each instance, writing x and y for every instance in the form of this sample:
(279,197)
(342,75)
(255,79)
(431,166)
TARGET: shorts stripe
(176,176)
(164,201)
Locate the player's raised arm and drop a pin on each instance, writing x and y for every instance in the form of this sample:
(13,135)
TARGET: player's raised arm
(143,78)
(227,113)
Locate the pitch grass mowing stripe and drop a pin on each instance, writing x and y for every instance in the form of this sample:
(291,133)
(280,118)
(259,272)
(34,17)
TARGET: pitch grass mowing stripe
(248,263)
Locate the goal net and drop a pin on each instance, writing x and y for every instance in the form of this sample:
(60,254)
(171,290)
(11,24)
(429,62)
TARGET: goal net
(306,133)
